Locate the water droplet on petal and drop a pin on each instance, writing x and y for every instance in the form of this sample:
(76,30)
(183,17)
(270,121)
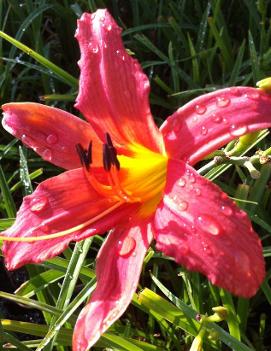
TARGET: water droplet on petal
(47,155)
(175,198)
(27,140)
(253,95)
(208,224)
(126,247)
(242,260)
(240,213)
(225,121)
(238,131)
(183,205)
(226,210)
(184,248)
(204,130)
(200,109)
(102,18)
(192,178)
(181,182)
(38,203)
(195,119)
(197,191)
(52,139)
(216,118)
(93,47)
(222,101)
(109,27)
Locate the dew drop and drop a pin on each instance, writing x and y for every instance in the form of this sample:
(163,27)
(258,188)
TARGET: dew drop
(27,140)
(204,130)
(222,101)
(126,246)
(242,260)
(38,203)
(47,155)
(253,95)
(52,139)
(238,131)
(93,47)
(209,224)
(184,248)
(102,18)
(226,210)
(225,121)
(197,191)
(216,118)
(183,205)
(181,182)
(240,213)
(195,119)
(206,247)
(200,109)
(109,27)
(193,228)
(192,178)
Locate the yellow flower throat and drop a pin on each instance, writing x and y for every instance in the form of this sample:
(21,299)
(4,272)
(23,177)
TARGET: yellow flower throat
(139,177)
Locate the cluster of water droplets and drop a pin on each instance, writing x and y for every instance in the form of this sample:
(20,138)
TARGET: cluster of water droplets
(204,221)
(45,152)
(216,117)
(200,110)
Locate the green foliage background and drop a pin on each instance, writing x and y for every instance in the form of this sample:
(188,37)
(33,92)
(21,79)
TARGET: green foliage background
(186,47)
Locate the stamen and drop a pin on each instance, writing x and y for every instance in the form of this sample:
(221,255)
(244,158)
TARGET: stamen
(106,158)
(64,232)
(85,155)
(110,152)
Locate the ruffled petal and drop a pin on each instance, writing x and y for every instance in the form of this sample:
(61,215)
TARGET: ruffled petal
(118,269)
(114,91)
(212,120)
(58,204)
(51,132)
(198,225)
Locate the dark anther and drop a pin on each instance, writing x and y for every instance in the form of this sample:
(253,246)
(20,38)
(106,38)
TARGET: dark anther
(85,155)
(109,154)
(106,157)
(109,140)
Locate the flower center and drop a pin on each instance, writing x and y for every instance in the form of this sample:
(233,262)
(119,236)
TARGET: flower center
(139,177)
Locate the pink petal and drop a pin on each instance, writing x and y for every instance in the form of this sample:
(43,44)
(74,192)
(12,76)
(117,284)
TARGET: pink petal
(198,225)
(51,132)
(211,120)
(58,204)
(114,91)
(118,269)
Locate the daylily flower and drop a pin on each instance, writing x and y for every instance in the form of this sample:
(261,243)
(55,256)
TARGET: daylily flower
(125,173)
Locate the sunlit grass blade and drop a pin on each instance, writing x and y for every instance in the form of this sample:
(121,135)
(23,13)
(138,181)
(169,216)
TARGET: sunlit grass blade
(65,76)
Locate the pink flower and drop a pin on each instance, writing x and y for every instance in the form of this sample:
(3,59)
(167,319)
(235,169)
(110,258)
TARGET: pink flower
(128,175)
